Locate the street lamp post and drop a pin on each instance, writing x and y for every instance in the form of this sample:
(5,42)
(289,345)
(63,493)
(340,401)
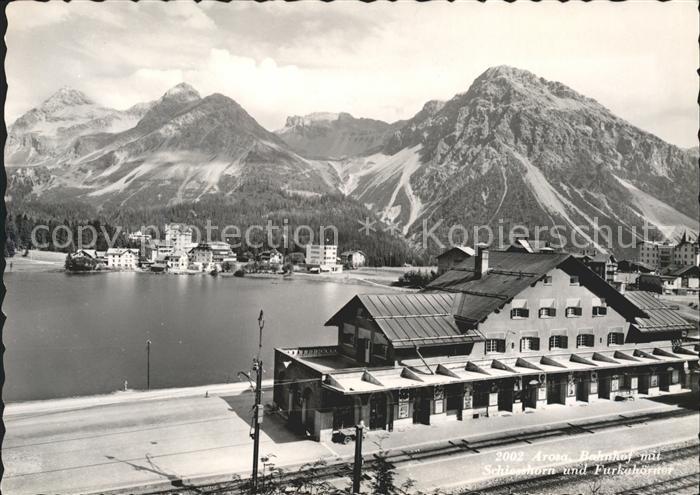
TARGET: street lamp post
(148,364)
(258,412)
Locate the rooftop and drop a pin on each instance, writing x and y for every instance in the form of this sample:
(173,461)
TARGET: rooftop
(445,371)
(509,273)
(661,316)
(408,320)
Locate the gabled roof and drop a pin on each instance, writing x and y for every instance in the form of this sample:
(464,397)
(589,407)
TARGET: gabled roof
(661,316)
(461,249)
(408,320)
(681,270)
(512,272)
(120,251)
(631,264)
(523,244)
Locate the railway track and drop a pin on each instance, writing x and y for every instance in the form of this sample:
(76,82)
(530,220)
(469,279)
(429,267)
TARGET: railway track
(396,457)
(676,486)
(541,484)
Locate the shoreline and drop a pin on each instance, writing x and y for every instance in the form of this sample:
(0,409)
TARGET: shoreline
(53,262)
(62,404)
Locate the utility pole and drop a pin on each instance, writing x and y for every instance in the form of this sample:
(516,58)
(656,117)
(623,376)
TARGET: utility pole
(257,409)
(357,467)
(148,364)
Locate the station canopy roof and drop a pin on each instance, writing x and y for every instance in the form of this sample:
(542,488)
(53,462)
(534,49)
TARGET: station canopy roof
(446,371)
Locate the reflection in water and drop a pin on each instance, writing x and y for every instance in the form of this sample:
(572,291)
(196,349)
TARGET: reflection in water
(69,335)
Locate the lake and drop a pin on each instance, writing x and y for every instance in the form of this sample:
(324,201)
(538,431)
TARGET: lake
(68,335)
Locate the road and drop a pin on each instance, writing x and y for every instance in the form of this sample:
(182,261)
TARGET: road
(156,439)
(134,443)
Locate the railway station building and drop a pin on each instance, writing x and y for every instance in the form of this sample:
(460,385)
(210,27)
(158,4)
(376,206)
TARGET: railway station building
(500,333)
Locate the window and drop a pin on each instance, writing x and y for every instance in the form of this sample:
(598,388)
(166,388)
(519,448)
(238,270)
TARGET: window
(599,307)
(530,344)
(585,340)
(548,312)
(495,345)
(547,280)
(573,280)
(379,349)
(600,310)
(573,312)
(519,313)
(348,334)
(558,342)
(616,338)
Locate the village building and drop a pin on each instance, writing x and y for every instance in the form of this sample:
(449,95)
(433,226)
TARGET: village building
(139,237)
(177,262)
(271,257)
(679,279)
(220,251)
(122,258)
(159,249)
(500,333)
(604,265)
(453,257)
(178,236)
(631,266)
(658,255)
(323,257)
(201,255)
(686,252)
(353,259)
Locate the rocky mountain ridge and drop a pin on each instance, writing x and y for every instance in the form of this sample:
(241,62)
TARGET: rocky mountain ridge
(518,149)
(514,149)
(325,135)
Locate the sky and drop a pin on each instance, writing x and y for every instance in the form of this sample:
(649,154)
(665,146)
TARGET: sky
(381,60)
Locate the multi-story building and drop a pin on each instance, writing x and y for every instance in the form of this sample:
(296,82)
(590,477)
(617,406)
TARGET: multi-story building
(353,259)
(179,236)
(271,257)
(661,255)
(502,332)
(202,256)
(603,265)
(686,252)
(220,251)
(324,257)
(122,258)
(177,262)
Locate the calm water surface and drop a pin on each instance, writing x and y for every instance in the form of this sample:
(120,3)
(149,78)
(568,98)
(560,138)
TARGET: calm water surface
(69,335)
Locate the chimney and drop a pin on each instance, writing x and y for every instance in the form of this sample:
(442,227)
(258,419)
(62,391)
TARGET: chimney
(481,263)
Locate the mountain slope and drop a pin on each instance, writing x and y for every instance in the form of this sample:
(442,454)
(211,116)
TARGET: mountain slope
(183,148)
(517,149)
(334,135)
(42,135)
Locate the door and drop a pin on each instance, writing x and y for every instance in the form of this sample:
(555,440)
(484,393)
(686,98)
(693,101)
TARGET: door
(582,389)
(530,394)
(367,351)
(556,390)
(421,411)
(505,397)
(377,412)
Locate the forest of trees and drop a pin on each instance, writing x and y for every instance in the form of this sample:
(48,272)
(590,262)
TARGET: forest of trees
(255,204)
